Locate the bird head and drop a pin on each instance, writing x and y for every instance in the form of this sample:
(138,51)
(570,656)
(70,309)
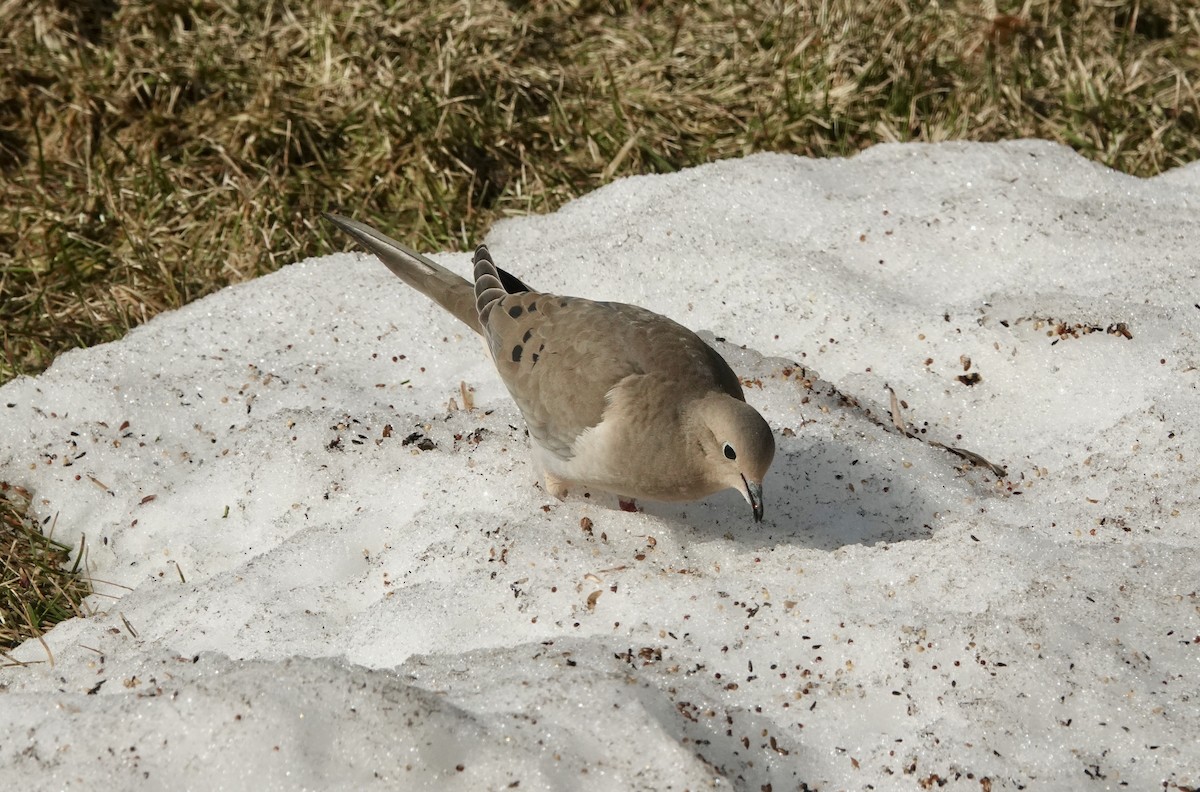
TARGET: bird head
(738,446)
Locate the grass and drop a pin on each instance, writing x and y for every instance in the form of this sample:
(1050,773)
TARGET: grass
(37,590)
(154,151)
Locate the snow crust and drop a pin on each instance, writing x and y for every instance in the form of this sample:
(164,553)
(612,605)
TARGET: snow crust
(316,568)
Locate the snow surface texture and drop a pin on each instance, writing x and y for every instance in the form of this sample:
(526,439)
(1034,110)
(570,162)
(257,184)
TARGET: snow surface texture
(318,569)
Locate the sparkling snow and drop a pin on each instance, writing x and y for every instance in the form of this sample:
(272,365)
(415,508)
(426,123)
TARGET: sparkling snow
(318,567)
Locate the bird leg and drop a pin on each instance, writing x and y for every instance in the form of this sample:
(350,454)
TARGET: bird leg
(627,505)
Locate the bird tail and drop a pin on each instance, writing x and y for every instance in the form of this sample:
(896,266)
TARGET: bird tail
(452,292)
(489,286)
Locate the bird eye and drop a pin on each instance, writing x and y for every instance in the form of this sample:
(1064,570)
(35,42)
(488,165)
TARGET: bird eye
(729,452)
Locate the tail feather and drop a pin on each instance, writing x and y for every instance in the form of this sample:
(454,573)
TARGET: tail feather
(452,292)
(489,287)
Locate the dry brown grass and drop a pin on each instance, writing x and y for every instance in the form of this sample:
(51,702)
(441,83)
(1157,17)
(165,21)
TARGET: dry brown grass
(37,589)
(153,151)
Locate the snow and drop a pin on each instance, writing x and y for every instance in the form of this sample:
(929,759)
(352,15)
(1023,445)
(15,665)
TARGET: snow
(317,569)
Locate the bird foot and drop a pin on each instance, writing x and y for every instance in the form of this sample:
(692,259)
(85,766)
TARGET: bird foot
(628,505)
(556,486)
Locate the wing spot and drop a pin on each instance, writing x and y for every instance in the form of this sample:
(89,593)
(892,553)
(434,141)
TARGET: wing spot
(532,307)
(535,358)
(517,353)
(528,335)
(515,311)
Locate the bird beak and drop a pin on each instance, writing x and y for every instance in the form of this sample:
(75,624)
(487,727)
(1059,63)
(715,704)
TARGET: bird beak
(753,495)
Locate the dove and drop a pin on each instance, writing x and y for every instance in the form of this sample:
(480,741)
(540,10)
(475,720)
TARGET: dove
(616,397)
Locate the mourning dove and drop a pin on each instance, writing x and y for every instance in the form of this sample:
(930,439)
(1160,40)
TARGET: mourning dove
(615,397)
